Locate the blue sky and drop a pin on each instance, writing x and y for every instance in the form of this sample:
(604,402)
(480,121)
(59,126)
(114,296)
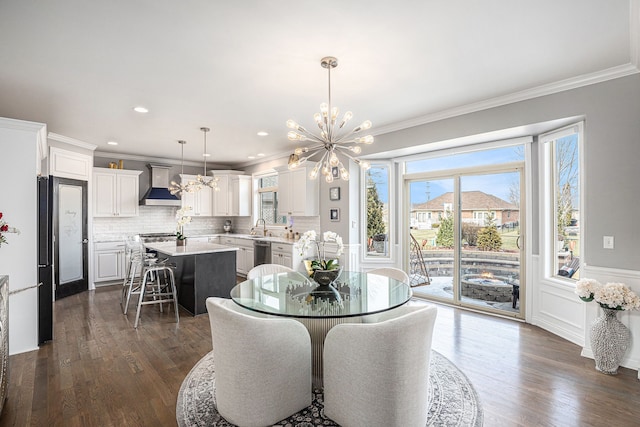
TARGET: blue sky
(498,185)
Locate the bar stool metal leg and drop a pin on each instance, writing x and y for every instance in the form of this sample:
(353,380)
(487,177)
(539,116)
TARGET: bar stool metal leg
(158,283)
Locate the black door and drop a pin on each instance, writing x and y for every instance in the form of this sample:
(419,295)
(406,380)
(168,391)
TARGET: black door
(45,261)
(70,236)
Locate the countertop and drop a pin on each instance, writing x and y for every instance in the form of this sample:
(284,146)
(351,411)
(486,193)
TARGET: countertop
(115,237)
(193,248)
(248,237)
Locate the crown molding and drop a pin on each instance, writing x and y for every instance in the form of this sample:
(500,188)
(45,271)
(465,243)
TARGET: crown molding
(549,89)
(71,141)
(21,124)
(138,158)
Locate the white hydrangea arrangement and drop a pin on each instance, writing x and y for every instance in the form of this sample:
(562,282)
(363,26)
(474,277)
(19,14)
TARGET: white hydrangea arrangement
(182,218)
(310,238)
(615,296)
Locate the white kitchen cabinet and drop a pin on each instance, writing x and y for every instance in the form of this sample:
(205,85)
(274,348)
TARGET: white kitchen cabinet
(244,254)
(282,253)
(245,257)
(115,192)
(297,194)
(240,195)
(201,201)
(222,197)
(109,261)
(234,195)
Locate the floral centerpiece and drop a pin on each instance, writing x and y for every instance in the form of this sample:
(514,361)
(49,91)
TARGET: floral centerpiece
(183,218)
(310,238)
(610,338)
(5,228)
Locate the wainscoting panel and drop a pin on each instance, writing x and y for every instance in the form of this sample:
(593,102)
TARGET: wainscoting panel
(555,307)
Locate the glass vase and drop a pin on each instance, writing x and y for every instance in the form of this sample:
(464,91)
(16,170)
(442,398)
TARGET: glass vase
(610,339)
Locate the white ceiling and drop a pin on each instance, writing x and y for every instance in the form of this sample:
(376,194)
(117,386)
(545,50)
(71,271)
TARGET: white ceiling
(241,67)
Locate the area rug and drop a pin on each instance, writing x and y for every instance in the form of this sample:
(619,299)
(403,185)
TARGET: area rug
(452,400)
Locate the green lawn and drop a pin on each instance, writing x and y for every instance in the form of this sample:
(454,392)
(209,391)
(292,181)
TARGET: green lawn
(508,238)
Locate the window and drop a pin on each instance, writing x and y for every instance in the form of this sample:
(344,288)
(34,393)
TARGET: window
(376,221)
(562,158)
(267,199)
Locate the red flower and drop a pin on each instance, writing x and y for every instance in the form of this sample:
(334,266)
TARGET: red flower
(0,215)
(4,227)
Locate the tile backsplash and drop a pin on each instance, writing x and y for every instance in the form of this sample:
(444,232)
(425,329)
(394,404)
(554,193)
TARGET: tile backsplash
(161,219)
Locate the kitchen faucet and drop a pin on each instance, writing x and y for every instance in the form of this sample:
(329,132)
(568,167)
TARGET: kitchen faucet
(264,226)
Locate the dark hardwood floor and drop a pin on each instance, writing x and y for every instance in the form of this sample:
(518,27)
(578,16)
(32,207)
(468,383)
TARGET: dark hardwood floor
(99,371)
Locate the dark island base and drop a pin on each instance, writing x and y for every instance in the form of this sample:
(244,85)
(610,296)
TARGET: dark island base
(204,275)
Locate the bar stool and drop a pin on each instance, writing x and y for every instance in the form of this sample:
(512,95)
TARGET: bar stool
(158,283)
(137,261)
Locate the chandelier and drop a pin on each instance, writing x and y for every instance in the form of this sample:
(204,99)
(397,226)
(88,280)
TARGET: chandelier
(204,180)
(332,141)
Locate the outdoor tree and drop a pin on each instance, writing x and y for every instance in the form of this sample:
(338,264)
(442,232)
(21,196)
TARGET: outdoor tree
(566,181)
(375,215)
(488,238)
(445,232)
(470,233)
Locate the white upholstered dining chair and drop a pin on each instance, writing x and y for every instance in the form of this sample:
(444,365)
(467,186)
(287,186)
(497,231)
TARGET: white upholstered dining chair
(394,273)
(376,374)
(262,364)
(264,269)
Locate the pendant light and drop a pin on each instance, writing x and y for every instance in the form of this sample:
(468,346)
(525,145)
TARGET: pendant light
(204,180)
(181,188)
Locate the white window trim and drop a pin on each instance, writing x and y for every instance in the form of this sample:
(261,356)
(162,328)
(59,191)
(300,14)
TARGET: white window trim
(547,236)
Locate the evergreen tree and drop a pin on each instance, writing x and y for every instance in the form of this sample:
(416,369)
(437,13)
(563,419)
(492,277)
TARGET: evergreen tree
(375,217)
(488,238)
(445,232)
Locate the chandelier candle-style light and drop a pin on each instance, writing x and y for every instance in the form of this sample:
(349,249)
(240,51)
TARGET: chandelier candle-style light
(204,180)
(332,141)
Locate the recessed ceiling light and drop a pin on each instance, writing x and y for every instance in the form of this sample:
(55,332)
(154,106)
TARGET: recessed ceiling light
(112,143)
(251,157)
(206,155)
(140,109)
(261,154)
(263,133)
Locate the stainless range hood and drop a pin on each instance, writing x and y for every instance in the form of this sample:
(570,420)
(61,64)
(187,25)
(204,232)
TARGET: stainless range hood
(158,194)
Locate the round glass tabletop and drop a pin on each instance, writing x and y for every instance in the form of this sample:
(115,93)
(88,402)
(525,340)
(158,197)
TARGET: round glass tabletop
(294,295)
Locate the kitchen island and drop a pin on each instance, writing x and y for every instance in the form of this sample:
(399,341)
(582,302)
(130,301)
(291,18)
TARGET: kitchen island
(202,270)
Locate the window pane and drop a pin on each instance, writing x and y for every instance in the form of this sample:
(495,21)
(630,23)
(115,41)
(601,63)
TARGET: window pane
(566,187)
(476,158)
(268,200)
(268,181)
(377,208)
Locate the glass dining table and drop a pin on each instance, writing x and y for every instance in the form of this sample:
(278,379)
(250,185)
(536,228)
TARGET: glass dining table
(318,309)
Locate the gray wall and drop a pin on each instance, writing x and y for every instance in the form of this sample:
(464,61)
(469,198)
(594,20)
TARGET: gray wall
(611,155)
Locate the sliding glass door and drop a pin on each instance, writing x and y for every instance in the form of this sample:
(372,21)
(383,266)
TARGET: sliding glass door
(465,237)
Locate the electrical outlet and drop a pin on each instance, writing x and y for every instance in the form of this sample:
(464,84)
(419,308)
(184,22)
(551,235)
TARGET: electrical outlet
(607,242)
